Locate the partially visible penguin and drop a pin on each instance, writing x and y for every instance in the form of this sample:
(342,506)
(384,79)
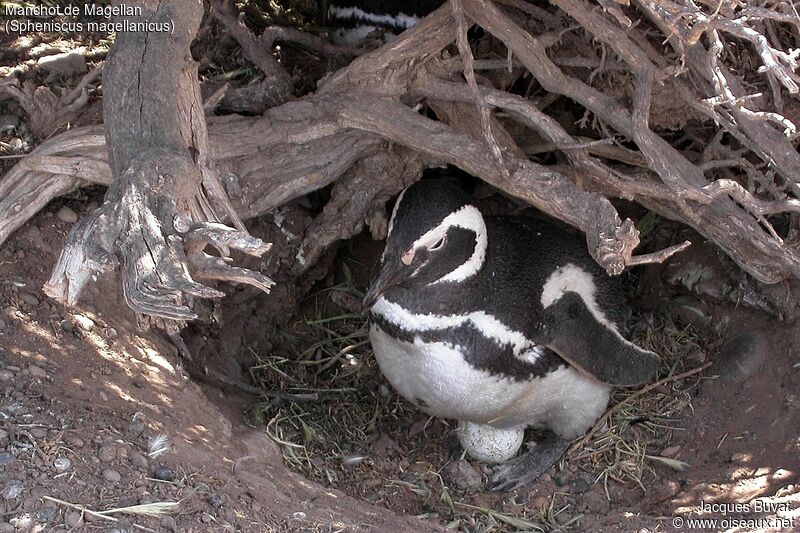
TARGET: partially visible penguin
(355,20)
(500,323)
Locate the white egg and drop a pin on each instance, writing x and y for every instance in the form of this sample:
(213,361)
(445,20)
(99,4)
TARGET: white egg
(488,444)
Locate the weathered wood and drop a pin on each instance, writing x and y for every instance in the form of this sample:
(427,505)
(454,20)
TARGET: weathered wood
(277,84)
(166,186)
(46,111)
(309,143)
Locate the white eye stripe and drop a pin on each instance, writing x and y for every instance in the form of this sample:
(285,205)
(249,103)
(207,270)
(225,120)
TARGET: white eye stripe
(469,218)
(432,237)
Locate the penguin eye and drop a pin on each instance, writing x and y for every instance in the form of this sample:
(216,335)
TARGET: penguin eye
(438,244)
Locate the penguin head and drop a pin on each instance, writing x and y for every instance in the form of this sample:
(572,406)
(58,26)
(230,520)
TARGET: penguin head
(436,235)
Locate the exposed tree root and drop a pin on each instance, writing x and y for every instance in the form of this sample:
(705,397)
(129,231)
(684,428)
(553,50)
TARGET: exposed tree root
(732,183)
(164,204)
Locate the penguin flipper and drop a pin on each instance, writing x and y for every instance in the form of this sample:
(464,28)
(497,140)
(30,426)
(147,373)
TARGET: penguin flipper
(570,329)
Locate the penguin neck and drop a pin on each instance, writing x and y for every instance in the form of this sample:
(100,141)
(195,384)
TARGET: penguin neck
(437,298)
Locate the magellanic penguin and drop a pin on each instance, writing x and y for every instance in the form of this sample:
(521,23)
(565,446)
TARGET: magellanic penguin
(357,19)
(501,321)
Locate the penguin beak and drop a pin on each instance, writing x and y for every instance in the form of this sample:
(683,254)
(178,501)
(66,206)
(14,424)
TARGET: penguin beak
(393,272)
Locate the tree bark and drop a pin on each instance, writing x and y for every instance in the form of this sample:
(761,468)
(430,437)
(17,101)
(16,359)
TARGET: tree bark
(306,144)
(166,201)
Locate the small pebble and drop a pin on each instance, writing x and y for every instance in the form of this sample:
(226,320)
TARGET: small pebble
(67,326)
(163,473)
(596,503)
(16,144)
(578,486)
(84,322)
(22,523)
(46,514)
(111,333)
(111,475)
(540,502)
(670,452)
(169,524)
(12,490)
(66,214)
(781,473)
(37,372)
(107,453)
(462,475)
(39,433)
(353,460)
(74,441)
(62,464)
(103,396)
(72,519)
(29,299)
(6,458)
(215,500)
(138,460)
(6,375)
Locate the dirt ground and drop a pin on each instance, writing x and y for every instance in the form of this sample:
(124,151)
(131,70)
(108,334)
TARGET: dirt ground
(84,395)
(85,398)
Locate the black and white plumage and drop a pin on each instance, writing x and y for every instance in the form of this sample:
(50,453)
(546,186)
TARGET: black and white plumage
(356,19)
(502,321)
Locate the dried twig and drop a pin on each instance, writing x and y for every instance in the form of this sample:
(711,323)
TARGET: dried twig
(659,256)
(280,83)
(469,74)
(155,509)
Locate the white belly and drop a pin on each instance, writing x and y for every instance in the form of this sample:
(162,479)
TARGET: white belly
(436,377)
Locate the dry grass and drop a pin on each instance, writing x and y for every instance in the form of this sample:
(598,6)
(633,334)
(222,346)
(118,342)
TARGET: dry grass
(328,438)
(622,449)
